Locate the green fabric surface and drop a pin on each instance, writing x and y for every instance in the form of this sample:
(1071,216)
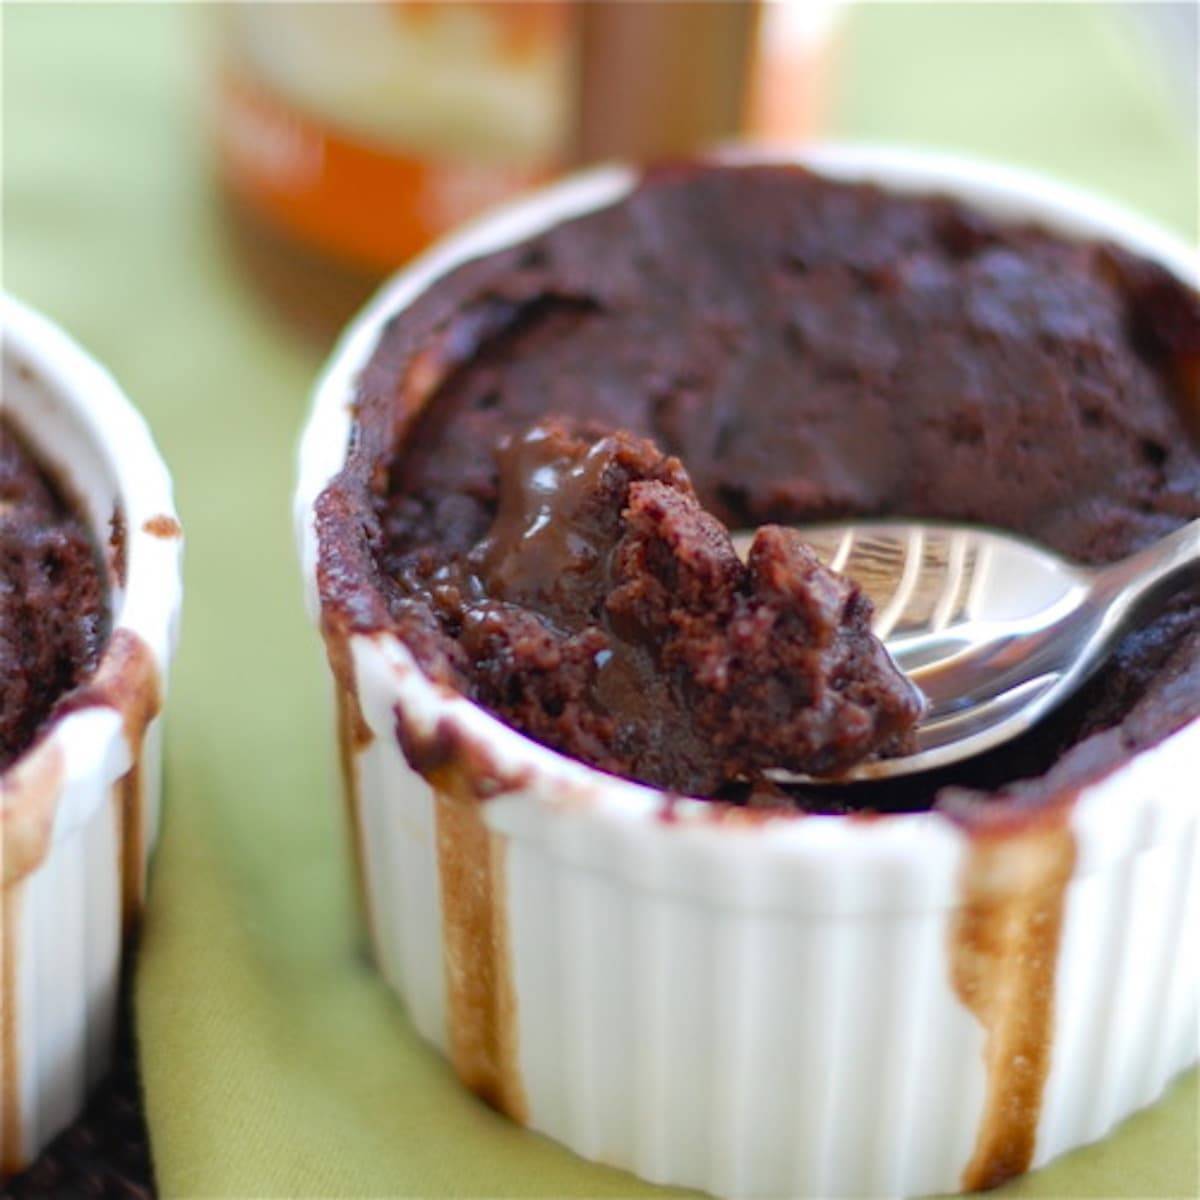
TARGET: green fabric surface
(275,1062)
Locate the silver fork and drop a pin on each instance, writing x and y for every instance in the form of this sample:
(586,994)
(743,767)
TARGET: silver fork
(994,630)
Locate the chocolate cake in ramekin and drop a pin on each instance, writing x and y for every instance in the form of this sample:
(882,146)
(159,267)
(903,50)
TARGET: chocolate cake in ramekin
(571,868)
(90,592)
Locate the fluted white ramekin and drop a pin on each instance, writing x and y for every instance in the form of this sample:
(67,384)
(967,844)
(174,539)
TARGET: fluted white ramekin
(79,810)
(807,1006)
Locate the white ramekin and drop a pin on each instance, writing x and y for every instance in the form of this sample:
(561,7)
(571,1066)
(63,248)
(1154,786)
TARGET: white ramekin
(79,810)
(797,1006)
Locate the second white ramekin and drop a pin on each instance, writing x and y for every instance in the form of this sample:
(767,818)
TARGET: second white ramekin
(79,810)
(807,1006)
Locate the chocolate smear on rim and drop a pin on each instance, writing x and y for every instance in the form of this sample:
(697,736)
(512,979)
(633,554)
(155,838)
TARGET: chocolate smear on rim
(127,680)
(1004,946)
(162,526)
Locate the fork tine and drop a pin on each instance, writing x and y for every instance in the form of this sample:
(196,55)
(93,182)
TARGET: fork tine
(914,551)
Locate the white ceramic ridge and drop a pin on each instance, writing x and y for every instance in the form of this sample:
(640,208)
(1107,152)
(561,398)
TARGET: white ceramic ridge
(79,809)
(759,1008)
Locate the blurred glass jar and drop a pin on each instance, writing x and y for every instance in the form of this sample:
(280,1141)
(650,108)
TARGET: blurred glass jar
(364,130)
(349,135)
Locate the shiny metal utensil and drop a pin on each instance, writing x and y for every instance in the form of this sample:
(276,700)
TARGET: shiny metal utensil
(994,630)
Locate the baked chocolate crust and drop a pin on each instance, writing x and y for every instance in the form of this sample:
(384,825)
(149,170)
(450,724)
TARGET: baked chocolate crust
(809,350)
(54,616)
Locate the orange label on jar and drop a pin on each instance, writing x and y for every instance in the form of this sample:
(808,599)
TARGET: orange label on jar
(366,205)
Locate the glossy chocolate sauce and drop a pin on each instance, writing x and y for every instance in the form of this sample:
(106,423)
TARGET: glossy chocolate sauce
(606,611)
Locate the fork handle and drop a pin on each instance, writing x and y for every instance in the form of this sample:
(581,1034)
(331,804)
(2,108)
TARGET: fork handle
(1151,575)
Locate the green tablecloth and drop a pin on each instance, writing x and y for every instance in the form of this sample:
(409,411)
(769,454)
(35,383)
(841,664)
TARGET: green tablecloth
(275,1061)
